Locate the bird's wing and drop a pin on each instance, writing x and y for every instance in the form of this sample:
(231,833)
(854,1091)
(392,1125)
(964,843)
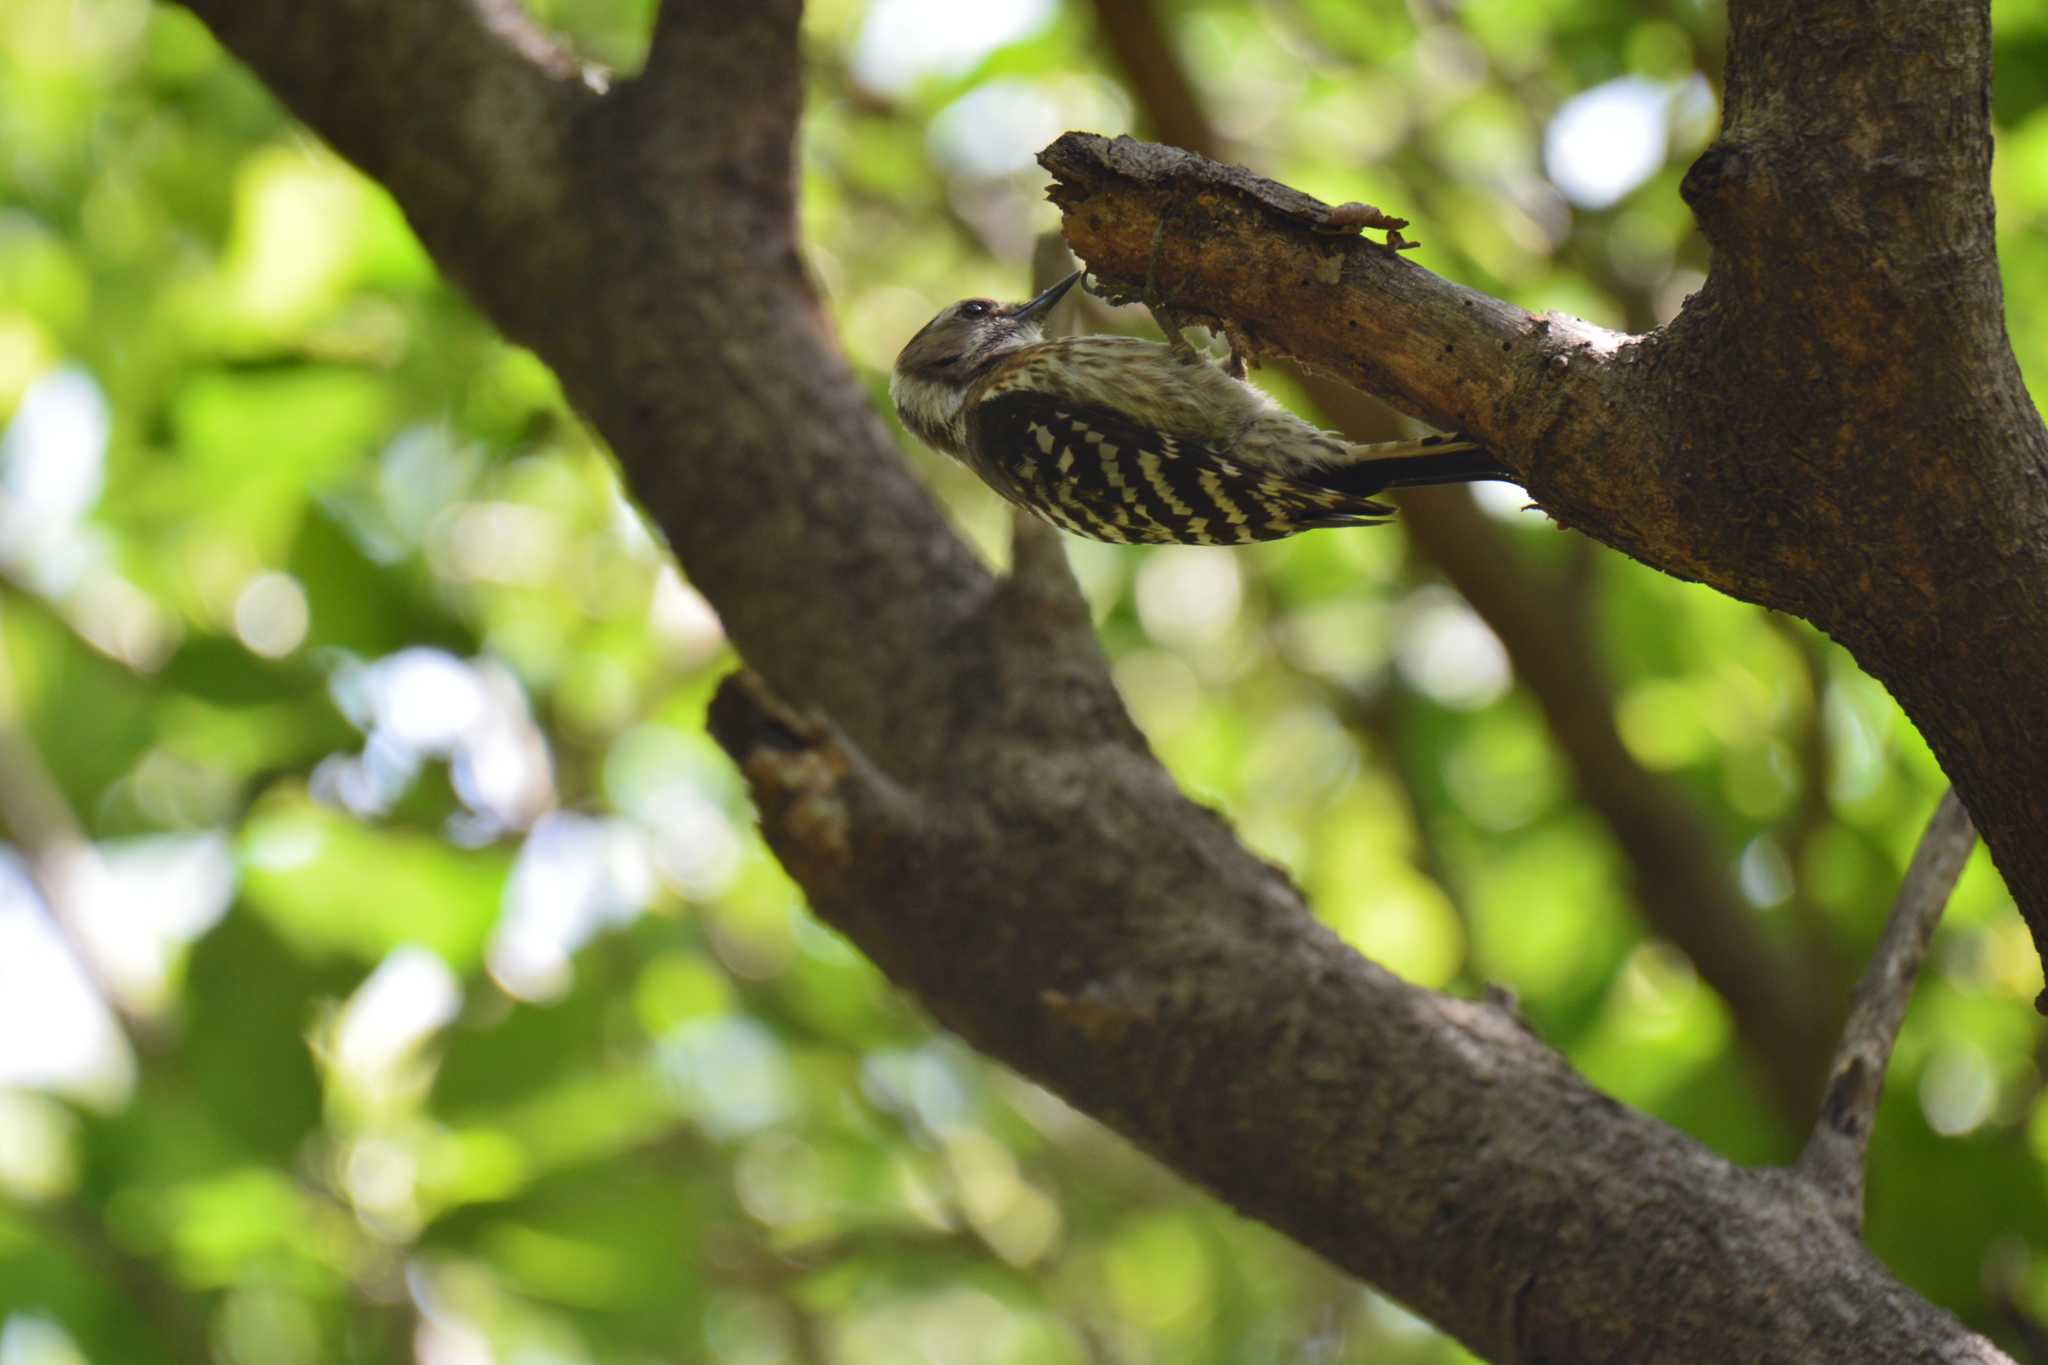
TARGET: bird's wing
(1099,473)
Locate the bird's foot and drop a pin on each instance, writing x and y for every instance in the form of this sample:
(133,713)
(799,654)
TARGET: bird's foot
(1243,355)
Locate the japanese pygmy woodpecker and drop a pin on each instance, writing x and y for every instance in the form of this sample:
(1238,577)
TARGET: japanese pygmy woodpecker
(1137,442)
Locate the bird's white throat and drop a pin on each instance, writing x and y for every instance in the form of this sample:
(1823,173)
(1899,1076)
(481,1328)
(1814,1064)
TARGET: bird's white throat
(934,413)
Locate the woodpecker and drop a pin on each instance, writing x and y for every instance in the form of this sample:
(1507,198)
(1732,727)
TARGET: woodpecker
(1140,443)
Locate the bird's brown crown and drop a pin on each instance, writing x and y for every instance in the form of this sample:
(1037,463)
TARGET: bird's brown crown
(937,366)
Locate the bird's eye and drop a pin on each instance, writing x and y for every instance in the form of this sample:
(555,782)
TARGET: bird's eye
(974,309)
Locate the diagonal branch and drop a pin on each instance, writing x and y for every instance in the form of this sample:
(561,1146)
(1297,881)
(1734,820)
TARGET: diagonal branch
(942,761)
(1924,563)
(1177,989)
(435,98)
(1681,873)
(1836,1150)
(1548,394)
(643,243)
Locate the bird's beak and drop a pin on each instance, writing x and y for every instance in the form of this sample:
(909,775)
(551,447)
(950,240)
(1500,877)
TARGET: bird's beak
(1044,303)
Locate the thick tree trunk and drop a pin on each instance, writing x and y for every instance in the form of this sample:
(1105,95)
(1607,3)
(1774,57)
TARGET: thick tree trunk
(940,758)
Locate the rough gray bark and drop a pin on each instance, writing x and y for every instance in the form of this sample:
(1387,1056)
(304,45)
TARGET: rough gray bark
(940,759)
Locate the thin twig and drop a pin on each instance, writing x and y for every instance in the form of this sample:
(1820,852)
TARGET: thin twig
(1834,1157)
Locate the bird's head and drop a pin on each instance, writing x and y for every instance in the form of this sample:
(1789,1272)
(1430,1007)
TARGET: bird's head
(936,366)
(954,346)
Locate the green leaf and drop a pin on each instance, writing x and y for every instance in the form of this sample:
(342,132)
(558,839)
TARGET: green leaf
(331,885)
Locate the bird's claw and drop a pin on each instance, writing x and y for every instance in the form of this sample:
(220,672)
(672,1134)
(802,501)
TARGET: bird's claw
(1243,355)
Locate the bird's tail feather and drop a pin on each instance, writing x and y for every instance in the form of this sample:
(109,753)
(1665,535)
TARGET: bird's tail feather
(1413,464)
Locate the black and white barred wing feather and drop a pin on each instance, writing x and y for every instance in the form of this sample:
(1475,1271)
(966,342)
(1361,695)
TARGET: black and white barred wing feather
(1096,472)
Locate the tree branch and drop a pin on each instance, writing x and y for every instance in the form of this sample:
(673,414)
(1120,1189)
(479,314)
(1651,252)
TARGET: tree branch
(950,775)
(1682,881)
(1237,247)
(1835,1152)
(1667,447)
(1177,989)
(441,100)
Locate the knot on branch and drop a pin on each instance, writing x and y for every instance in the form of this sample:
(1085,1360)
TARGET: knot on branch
(797,769)
(1717,184)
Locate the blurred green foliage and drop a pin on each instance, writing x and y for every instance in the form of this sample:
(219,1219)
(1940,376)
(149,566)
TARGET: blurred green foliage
(459,1015)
